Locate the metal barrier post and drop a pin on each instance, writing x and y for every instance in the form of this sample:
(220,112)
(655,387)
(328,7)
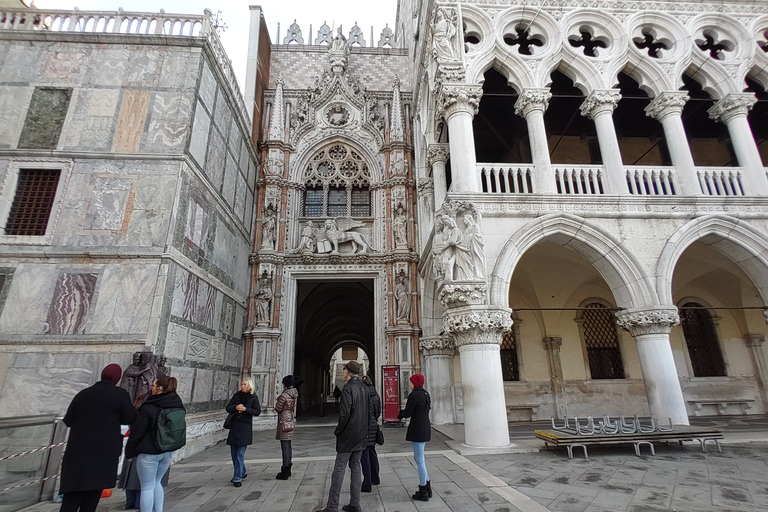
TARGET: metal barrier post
(53,462)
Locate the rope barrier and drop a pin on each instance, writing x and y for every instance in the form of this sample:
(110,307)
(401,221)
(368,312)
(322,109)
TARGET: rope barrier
(50,447)
(29,483)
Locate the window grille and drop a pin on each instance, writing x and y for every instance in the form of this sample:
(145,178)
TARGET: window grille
(602,342)
(361,202)
(337,202)
(701,338)
(313,202)
(33,202)
(510,369)
(337,182)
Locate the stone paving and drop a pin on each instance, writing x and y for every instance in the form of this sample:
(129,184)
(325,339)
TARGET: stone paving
(678,478)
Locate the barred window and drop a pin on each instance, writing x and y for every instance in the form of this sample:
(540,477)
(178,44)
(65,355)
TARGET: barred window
(598,326)
(33,202)
(337,202)
(361,202)
(701,338)
(337,182)
(510,369)
(313,202)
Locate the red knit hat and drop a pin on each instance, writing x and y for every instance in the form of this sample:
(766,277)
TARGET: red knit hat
(417,380)
(112,373)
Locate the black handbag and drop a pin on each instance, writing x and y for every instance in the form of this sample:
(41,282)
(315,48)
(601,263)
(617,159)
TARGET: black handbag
(379,436)
(228,421)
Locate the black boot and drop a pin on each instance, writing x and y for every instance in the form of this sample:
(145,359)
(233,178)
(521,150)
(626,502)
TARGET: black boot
(288,469)
(284,473)
(429,488)
(421,494)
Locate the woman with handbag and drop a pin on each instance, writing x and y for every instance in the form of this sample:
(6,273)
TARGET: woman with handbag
(370,461)
(419,431)
(285,407)
(242,408)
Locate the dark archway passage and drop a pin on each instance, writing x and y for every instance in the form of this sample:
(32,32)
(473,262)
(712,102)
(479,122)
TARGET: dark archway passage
(330,315)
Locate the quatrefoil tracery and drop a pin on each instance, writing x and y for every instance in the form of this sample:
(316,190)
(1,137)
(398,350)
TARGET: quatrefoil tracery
(588,42)
(525,42)
(650,42)
(337,166)
(715,46)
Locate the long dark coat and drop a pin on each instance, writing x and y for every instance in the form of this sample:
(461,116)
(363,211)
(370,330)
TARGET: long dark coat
(374,411)
(94,418)
(241,431)
(417,408)
(352,431)
(285,406)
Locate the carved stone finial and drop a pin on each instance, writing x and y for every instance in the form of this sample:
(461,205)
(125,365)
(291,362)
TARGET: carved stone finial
(277,122)
(387,37)
(599,102)
(356,36)
(396,123)
(732,105)
(324,35)
(640,322)
(532,100)
(667,103)
(293,35)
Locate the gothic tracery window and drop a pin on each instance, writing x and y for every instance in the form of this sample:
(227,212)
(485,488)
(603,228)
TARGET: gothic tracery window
(337,182)
(701,339)
(598,328)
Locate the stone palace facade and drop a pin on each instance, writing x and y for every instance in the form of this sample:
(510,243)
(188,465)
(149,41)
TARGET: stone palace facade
(548,208)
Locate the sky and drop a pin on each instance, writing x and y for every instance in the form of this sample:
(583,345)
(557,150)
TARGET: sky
(236,16)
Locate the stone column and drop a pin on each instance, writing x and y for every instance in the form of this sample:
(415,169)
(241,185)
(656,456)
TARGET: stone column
(552,345)
(650,328)
(755,343)
(458,104)
(599,107)
(437,361)
(667,108)
(477,329)
(732,110)
(531,105)
(437,156)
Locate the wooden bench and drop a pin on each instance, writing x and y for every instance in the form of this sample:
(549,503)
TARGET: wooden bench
(722,405)
(679,433)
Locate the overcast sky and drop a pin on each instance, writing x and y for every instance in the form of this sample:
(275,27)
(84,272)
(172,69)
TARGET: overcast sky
(236,15)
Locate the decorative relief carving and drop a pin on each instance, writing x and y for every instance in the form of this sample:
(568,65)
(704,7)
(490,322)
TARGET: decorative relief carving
(649,321)
(532,100)
(307,243)
(731,106)
(338,53)
(457,255)
(400,226)
(477,326)
(300,114)
(269,228)
(337,115)
(450,74)
(666,103)
(438,153)
(462,294)
(338,231)
(455,98)
(437,345)
(444,34)
(599,102)
(273,167)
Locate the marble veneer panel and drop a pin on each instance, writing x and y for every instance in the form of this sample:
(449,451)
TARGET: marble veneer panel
(105,66)
(70,307)
(222,116)
(203,386)
(125,299)
(221,385)
(233,354)
(230,181)
(45,118)
(186,378)
(22,63)
(130,124)
(13,107)
(107,204)
(169,120)
(64,64)
(194,300)
(180,68)
(143,68)
(207,87)
(176,340)
(91,121)
(214,163)
(240,194)
(199,141)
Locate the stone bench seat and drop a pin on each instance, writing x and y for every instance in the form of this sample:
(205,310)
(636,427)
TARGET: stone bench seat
(721,404)
(531,409)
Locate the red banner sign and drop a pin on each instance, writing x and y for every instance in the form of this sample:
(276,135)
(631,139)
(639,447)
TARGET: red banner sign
(391,380)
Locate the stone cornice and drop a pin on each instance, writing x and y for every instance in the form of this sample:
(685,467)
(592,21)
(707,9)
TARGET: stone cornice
(667,103)
(459,98)
(555,7)
(359,259)
(641,322)
(600,102)
(733,105)
(532,100)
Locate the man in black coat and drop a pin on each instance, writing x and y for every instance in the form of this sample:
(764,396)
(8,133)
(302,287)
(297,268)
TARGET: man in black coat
(351,439)
(93,450)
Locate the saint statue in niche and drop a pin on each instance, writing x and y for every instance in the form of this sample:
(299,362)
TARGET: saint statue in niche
(474,247)
(268,229)
(402,299)
(263,300)
(399,227)
(443,34)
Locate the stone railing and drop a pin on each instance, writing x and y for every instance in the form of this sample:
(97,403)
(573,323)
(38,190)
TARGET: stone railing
(720,181)
(506,178)
(129,23)
(578,179)
(652,181)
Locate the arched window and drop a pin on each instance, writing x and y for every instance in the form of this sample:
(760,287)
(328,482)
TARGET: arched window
(337,182)
(701,338)
(601,342)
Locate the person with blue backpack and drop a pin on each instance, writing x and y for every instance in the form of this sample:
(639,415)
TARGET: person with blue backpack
(159,430)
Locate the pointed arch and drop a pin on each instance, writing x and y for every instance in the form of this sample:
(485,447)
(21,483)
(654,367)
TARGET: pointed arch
(630,285)
(302,159)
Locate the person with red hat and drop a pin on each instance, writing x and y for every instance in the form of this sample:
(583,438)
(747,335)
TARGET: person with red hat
(419,431)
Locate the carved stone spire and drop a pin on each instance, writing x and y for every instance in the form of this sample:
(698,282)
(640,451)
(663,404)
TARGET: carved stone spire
(277,123)
(396,130)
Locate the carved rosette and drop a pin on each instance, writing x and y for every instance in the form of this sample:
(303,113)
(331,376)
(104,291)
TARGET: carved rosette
(477,325)
(599,102)
(735,104)
(438,153)
(665,104)
(437,346)
(648,321)
(532,100)
(459,98)
(455,295)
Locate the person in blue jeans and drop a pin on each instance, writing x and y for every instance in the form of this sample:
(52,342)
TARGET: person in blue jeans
(419,431)
(245,405)
(151,463)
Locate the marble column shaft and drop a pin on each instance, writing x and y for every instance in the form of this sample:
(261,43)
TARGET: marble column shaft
(437,156)
(437,360)
(458,105)
(755,344)
(531,105)
(552,345)
(599,107)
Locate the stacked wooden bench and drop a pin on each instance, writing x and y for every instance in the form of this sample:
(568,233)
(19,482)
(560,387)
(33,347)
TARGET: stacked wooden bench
(582,433)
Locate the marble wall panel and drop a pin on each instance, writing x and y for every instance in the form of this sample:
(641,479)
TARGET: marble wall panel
(72,302)
(214,164)
(194,300)
(107,204)
(244,157)
(251,171)
(22,64)
(207,87)
(186,378)
(130,123)
(230,181)
(233,354)
(234,384)
(239,322)
(235,140)
(217,351)
(143,68)
(248,214)
(176,341)
(31,291)
(199,346)
(198,143)
(225,250)
(240,193)
(180,69)
(14,101)
(203,386)
(63,64)
(222,115)
(227,323)
(106,66)
(221,385)
(150,215)
(169,119)
(197,223)
(45,118)
(91,120)
(125,299)
(61,385)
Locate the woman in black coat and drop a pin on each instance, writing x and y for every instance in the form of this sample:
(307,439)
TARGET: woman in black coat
(419,431)
(370,461)
(95,442)
(245,405)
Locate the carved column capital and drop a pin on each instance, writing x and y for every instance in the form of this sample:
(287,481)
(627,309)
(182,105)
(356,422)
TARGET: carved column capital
(639,322)
(666,104)
(450,74)
(459,294)
(437,346)
(600,102)
(552,343)
(754,340)
(477,325)
(733,105)
(424,186)
(438,153)
(459,98)
(532,100)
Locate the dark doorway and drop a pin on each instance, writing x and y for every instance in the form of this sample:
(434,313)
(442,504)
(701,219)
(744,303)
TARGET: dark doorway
(572,137)
(709,140)
(758,118)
